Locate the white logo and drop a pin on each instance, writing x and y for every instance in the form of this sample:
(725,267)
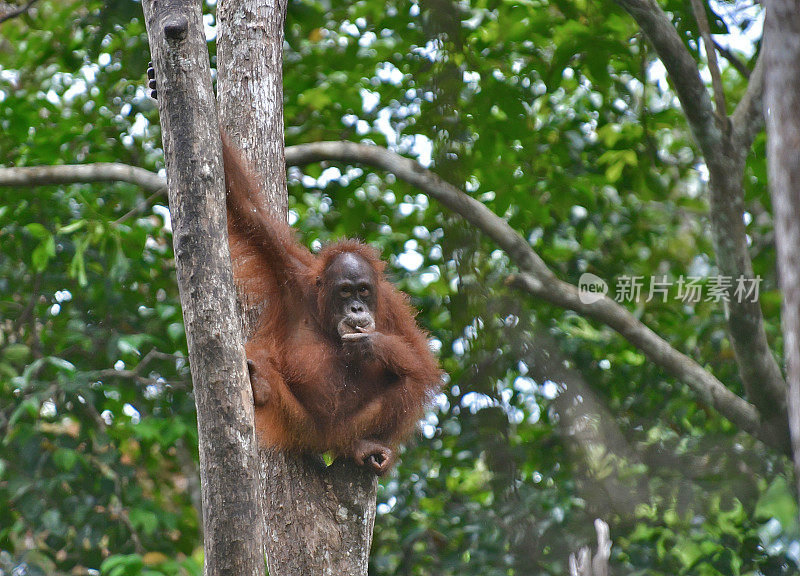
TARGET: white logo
(591,288)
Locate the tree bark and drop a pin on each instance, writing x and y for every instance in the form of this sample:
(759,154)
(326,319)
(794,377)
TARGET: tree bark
(196,189)
(8,11)
(317,520)
(782,55)
(250,89)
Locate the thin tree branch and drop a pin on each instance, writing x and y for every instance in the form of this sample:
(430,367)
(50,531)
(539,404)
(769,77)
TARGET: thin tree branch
(747,120)
(141,206)
(136,373)
(535,277)
(733,59)
(81,174)
(708,388)
(9,11)
(416,174)
(84,173)
(700,15)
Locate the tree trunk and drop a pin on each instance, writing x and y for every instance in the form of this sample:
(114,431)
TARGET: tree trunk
(250,89)
(196,188)
(782,53)
(317,520)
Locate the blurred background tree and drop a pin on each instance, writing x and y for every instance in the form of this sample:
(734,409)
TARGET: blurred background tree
(557,116)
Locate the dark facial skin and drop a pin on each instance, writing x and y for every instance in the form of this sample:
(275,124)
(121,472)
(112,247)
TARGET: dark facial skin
(351,284)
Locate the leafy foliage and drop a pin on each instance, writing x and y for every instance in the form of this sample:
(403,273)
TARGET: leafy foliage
(553,114)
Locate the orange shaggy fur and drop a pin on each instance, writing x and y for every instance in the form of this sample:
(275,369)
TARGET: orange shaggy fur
(320,398)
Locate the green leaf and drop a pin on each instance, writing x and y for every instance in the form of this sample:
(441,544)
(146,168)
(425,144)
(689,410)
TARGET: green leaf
(778,502)
(41,255)
(28,407)
(143,520)
(77,267)
(37,230)
(72,227)
(65,459)
(16,353)
(122,565)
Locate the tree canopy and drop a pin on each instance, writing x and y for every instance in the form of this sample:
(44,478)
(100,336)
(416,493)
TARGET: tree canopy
(578,125)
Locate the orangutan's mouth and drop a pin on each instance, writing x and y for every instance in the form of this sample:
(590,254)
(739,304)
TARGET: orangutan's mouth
(355,327)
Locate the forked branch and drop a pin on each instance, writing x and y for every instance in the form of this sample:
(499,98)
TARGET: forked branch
(724,154)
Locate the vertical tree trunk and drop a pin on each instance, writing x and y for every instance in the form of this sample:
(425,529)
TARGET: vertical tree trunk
(782,60)
(250,89)
(195,183)
(318,521)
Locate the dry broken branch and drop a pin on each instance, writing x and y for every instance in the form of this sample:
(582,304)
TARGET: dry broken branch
(733,59)
(583,564)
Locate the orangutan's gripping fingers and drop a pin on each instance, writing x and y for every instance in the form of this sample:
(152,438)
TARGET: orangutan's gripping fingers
(381,462)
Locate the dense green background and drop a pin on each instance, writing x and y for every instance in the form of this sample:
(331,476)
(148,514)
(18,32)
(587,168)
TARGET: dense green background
(554,115)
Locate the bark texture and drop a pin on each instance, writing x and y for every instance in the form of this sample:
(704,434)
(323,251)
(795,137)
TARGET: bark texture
(9,11)
(317,520)
(196,189)
(250,89)
(782,53)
